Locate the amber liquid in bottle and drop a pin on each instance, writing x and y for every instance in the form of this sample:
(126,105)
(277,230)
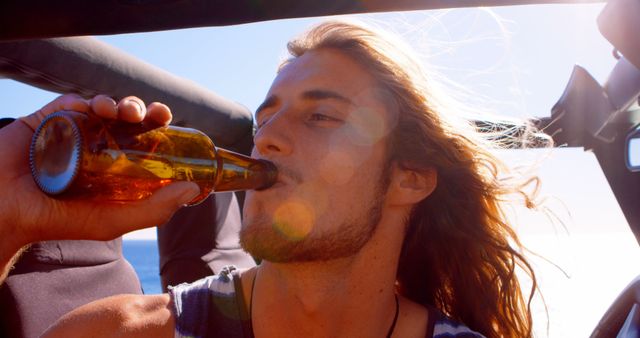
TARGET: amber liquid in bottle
(76,155)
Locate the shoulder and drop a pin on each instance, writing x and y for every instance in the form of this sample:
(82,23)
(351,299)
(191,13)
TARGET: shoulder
(213,300)
(445,327)
(197,294)
(221,284)
(118,316)
(417,320)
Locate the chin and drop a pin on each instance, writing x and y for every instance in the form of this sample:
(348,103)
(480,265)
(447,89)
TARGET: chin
(264,241)
(261,238)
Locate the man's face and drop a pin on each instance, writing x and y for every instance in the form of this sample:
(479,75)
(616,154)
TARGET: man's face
(325,126)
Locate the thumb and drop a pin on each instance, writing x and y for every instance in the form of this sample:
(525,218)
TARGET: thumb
(174,195)
(159,207)
(114,220)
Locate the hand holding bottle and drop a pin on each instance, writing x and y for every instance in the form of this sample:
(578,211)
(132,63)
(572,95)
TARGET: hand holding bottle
(83,156)
(28,215)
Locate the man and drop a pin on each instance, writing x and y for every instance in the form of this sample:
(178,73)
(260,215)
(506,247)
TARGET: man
(385,214)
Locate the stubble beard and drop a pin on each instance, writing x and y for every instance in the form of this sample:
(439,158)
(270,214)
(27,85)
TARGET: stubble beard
(260,238)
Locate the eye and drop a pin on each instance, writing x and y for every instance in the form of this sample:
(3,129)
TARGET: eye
(319,117)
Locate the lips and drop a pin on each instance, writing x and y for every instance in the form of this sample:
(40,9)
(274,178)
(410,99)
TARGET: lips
(278,184)
(280,181)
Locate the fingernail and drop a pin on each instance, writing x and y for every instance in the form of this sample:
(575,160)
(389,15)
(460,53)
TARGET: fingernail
(137,104)
(191,192)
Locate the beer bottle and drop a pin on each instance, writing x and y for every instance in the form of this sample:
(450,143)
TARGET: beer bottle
(77,155)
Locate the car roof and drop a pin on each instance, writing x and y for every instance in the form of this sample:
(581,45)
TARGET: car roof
(29,19)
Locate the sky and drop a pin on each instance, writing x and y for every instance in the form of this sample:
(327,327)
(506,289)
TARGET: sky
(509,61)
(512,61)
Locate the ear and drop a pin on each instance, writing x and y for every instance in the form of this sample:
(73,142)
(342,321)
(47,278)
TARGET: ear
(409,187)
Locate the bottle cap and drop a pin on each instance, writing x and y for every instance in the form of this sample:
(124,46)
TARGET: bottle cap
(55,153)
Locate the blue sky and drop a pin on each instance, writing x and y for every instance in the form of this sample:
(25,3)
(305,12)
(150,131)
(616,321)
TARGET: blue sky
(514,60)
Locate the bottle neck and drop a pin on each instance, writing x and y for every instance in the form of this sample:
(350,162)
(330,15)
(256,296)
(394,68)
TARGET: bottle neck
(241,172)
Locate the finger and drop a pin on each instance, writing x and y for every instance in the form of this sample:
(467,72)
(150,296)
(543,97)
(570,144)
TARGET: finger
(158,114)
(131,109)
(64,102)
(109,221)
(104,106)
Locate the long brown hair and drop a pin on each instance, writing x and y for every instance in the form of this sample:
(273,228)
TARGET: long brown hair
(459,253)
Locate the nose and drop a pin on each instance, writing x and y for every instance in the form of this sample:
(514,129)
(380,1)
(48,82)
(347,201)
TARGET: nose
(273,138)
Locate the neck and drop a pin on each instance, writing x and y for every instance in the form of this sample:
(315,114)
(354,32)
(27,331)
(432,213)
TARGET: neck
(314,288)
(341,297)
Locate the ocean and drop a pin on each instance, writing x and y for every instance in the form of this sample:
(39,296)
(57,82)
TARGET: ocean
(143,255)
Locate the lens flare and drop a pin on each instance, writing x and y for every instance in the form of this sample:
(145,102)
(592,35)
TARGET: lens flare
(294,219)
(371,125)
(337,167)
(370,128)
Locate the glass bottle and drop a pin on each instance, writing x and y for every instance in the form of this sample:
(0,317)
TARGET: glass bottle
(77,155)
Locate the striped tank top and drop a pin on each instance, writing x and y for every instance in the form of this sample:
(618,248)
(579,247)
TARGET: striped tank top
(213,308)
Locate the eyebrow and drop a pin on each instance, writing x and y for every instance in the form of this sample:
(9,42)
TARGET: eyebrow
(312,95)
(320,94)
(269,102)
